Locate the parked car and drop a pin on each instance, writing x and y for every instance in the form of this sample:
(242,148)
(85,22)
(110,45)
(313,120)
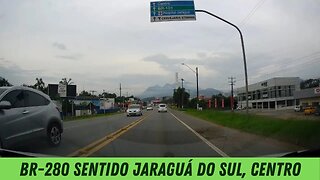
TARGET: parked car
(309,110)
(25,114)
(134,110)
(162,108)
(297,108)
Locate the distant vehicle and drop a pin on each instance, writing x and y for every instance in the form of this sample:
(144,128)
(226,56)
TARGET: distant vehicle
(149,108)
(134,110)
(162,108)
(25,114)
(309,110)
(297,108)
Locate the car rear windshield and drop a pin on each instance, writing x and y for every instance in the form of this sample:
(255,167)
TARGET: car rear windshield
(162,105)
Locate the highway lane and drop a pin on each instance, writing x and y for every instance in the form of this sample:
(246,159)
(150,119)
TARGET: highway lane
(159,135)
(78,134)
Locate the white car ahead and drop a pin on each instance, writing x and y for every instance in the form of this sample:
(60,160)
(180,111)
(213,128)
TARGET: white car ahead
(162,108)
(149,108)
(134,110)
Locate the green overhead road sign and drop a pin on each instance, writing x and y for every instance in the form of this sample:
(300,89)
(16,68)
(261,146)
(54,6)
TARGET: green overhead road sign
(172,11)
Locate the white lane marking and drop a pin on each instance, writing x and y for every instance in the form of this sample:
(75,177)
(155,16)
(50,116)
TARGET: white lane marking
(215,148)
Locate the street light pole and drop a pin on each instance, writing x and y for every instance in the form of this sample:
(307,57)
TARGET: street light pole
(182,93)
(197,75)
(243,52)
(197,79)
(103,96)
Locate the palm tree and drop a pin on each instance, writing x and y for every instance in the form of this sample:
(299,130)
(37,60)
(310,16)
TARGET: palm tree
(40,85)
(4,82)
(66,82)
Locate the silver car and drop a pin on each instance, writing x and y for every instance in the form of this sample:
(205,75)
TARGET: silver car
(134,110)
(162,108)
(25,114)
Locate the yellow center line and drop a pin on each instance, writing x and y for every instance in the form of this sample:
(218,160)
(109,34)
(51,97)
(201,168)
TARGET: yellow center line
(100,143)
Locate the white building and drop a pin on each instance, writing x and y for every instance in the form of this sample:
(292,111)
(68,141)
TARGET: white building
(273,93)
(107,103)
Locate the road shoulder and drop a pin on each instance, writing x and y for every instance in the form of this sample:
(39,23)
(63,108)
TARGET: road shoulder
(235,142)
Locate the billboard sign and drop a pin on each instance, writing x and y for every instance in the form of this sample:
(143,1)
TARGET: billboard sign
(54,90)
(62,90)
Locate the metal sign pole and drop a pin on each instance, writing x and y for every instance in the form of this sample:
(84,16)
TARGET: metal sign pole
(243,52)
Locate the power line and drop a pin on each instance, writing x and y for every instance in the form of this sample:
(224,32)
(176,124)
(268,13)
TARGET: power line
(313,60)
(245,20)
(251,13)
(314,56)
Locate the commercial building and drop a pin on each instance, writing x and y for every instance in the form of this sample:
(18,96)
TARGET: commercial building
(308,97)
(275,93)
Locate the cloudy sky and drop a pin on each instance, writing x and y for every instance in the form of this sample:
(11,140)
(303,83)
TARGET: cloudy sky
(101,43)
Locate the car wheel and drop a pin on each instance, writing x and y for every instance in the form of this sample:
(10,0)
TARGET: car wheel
(54,135)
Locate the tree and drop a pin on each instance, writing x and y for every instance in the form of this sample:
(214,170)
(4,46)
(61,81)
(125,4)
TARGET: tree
(120,99)
(219,98)
(167,100)
(177,97)
(40,85)
(66,81)
(86,94)
(310,83)
(4,82)
(107,95)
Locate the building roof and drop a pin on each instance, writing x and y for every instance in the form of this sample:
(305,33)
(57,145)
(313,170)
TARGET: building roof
(276,81)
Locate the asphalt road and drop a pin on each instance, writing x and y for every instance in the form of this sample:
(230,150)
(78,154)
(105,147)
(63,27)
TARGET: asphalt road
(171,134)
(160,134)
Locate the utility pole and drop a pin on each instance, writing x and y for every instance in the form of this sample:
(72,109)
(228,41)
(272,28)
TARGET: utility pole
(231,82)
(182,93)
(121,96)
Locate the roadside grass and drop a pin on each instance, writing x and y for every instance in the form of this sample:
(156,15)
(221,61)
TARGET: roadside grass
(74,118)
(300,132)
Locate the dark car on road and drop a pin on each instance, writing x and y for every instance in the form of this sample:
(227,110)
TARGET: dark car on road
(26,114)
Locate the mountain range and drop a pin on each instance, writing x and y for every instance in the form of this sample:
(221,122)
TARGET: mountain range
(167,90)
